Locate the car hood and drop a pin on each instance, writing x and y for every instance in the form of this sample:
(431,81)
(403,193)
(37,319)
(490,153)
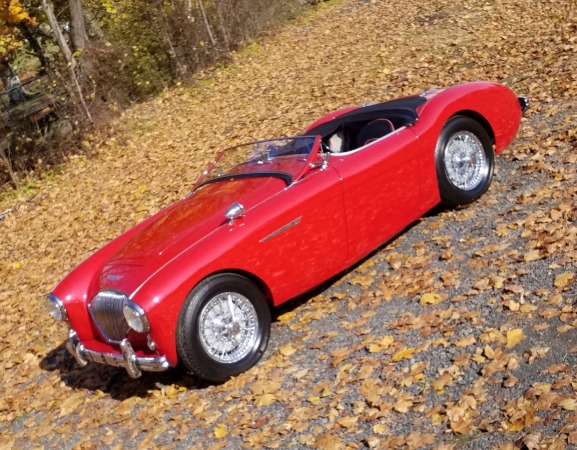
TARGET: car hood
(180,226)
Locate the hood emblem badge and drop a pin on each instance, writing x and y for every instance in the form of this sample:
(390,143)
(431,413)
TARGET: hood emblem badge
(114,277)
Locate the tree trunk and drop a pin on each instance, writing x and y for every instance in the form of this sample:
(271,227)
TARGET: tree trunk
(65,49)
(222,26)
(180,70)
(206,22)
(78,33)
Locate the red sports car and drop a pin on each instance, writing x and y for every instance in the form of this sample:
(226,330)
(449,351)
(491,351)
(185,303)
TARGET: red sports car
(269,220)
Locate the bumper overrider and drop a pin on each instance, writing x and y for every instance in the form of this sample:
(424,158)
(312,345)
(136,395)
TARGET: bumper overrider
(127,358)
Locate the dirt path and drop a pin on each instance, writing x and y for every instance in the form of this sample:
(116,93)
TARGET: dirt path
(459,334)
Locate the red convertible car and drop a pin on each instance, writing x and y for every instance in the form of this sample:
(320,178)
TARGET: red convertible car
(267,221)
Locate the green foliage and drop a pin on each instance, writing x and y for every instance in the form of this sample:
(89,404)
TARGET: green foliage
(136,49)
(154,44)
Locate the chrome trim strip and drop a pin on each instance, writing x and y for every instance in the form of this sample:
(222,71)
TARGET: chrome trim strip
(282,229)
(358,149)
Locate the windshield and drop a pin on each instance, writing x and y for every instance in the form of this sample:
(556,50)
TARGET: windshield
(285,158)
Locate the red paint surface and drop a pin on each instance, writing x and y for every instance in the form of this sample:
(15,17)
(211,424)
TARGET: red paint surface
(362,199)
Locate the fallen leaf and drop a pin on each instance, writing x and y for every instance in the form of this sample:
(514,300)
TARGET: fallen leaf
(430,298)
(532,255)
(514,337)
(220,431)
(265,400)
(443,381)
(348,422)
(563,280)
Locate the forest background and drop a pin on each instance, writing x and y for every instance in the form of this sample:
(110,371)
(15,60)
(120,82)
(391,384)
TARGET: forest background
(67,64)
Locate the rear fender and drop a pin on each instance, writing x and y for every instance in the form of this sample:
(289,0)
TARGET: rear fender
(495,106)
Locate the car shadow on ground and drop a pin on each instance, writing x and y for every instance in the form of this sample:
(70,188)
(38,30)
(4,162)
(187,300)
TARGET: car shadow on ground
(119,385)
(114,381)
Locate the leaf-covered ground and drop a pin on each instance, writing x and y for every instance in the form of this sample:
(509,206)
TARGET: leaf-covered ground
(461,333)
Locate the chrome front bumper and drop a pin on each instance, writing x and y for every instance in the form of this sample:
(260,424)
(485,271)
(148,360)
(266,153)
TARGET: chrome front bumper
(132,363)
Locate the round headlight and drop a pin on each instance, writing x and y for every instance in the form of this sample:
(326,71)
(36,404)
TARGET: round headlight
(56,307)
(135,317)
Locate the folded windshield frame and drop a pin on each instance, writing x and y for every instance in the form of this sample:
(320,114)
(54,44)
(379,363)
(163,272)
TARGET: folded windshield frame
(285,158)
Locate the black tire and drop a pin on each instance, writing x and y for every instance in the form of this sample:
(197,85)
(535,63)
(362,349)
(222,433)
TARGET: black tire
(465,171)
(199,346)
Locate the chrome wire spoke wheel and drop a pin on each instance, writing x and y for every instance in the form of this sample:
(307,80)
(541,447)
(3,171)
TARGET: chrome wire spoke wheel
(465,160)
(223,327)
(228,327)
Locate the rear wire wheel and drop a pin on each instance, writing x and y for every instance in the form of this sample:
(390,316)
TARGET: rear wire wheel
(223,328)
(464,160)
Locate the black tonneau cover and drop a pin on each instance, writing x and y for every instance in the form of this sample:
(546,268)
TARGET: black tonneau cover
(401,111)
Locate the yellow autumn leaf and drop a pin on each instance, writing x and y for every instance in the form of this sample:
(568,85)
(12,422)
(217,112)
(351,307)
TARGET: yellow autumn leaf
(287,317)
(517,426)
(569,404)
(514,337)
(527,308)
(220,431)
(380,429)
(326,393)
(462,426)
(430,298)
(406,353)
(347,422)
(287,349)
(437,419)
(381,344)
(563,280)
(171,391)
(513,305)
(264,400)
(443,381)
(403,405)
(466,341)
(564,328)
(532,255)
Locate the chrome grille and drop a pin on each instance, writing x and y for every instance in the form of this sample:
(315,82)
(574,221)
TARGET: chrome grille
(106,311)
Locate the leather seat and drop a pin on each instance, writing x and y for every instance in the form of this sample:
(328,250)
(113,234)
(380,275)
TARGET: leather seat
(374,130)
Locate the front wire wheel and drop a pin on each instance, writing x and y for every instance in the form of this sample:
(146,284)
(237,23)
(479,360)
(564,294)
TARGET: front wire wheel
(464,161)
(223,328)
(228,327)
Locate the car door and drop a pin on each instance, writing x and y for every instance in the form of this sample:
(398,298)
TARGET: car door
(293,241)
(382,189)
(304,242)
